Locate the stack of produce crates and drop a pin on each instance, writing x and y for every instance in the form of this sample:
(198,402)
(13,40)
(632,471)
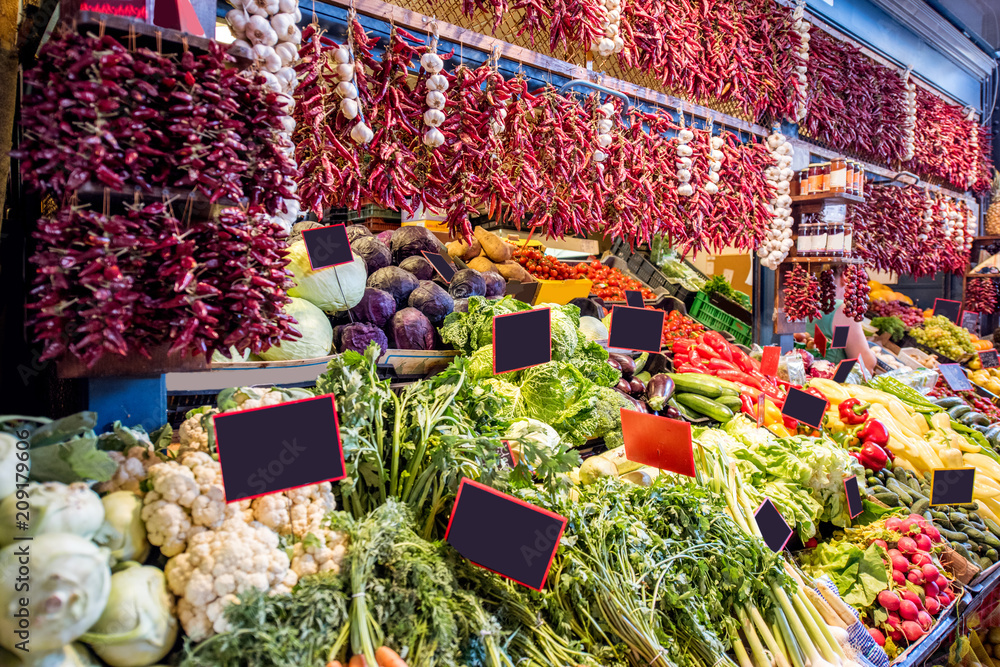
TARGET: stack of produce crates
(715,318)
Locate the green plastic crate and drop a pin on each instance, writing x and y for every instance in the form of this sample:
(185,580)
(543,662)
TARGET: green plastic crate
(719,320)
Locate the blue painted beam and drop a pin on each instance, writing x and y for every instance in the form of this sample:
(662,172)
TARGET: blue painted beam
(132,401)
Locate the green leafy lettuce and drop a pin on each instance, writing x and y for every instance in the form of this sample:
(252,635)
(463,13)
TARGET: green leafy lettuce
(559,395)
(472,330)
(859,575)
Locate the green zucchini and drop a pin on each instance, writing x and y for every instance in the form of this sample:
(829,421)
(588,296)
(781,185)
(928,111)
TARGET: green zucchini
(889,498)
(949,402)
(900,490)
(970,418)
(705,406)
(992,433)
(920,506)
(958,411)
(695,383)
(731,402)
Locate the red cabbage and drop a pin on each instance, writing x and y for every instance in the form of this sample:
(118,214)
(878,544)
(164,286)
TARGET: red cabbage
(358,335)
(376,307)
(411,330)
(466,283)
(410,241)
(373,251)
(419,267)
(355,232)
(495,284)
(431,300)
(396,281)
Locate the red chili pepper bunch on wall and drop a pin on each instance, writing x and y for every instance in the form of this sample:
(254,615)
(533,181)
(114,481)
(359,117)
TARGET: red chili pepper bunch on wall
(128,284)
(901,230)
(981,296)
(544,160)
(738,51)
(99,113)
(855,104)
(801,288)
(950,146)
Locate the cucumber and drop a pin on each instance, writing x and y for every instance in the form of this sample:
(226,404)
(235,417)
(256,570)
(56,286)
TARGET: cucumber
(949,402)
(992,433)
(889,498)
(901,491)
(705,406)
(958,411)
(920,506)
(953,535)
(973,417)
(731,402)
(694,383)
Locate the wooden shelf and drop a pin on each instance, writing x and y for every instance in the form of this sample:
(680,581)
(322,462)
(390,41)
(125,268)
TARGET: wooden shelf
(151,35)
(116,365)
(828,198)
(985,238)
(982,275)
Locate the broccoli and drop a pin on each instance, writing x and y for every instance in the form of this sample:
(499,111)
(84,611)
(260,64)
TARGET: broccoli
(606,417)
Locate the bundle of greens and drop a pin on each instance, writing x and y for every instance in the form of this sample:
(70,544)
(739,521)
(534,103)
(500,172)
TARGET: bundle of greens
(894,326)
(418,445)
(719,285)
(657,574)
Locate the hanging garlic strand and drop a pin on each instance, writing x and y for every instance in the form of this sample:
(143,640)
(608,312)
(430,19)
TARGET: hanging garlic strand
(684,153)
(715,159)
(436,84)
(801,27)
(778,240)
(611,42)
(604,126)
(910,124)
(347,88)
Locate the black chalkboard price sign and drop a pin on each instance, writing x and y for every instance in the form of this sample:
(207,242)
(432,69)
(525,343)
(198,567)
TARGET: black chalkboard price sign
(989,359)
(950,309)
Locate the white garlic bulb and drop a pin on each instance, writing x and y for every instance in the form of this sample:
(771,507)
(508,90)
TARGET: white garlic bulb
(347,90)
(342,55)
(433,138)
(437,82)
(349,108)
(345,72)
(431,62)
(361,134)
(604,140)
(433,118)
(435,100)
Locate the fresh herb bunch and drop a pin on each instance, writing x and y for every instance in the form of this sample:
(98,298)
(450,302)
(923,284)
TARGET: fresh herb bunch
(719,285)
(417,446)
(660,571)
(893,325)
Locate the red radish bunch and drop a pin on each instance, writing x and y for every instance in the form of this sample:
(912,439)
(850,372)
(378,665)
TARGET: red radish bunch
(911,614)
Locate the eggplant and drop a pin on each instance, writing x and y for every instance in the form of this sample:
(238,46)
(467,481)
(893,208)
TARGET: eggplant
(625,363)
(672,412)
(623,386)
(615,365)
(659,390)
(636,387)
(639,405)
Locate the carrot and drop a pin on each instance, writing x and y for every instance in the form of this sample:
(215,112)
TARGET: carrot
(495,247)
(333,663)
(386,657)
(357,661)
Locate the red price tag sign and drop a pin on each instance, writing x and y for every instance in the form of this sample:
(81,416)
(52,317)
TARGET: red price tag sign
(769,360)
(658,441)
(820,340)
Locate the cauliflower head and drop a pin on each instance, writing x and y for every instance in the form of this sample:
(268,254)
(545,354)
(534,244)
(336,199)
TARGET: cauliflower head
(295,511)
(133,469)
(218,566)
(320,551)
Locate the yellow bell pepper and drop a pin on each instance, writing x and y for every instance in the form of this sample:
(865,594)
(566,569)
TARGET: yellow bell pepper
(779,430)
(984,465)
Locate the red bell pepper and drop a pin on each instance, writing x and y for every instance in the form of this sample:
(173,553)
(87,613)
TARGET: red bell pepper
(737,376)
(748,405)
(815,392)
(873,457)
(874,432)
(688,368)
(791,424)
(681,344)
(853,411)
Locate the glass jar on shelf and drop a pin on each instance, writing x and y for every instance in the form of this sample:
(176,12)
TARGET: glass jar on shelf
(804,182)
(819,239)
(838,175)
(815,178)
(835,239)
(848,239)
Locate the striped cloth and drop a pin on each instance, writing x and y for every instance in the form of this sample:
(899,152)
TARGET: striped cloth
(869,653)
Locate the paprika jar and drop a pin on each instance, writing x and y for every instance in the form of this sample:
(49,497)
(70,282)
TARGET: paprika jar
(802,238)
(848,239)
(815,178)
(838,175)
(835,239)
(819,239)
(861,181)
(804,182)
(849,184)
(825,171)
